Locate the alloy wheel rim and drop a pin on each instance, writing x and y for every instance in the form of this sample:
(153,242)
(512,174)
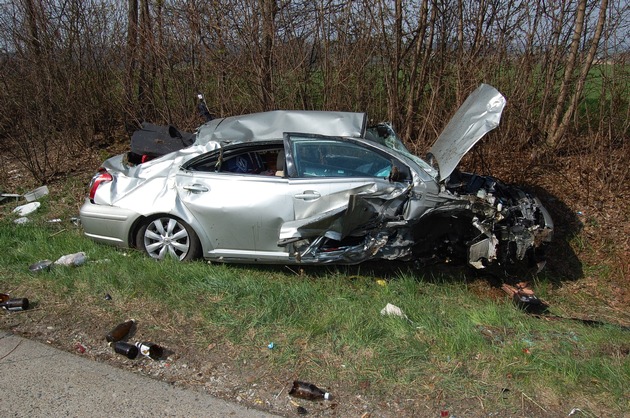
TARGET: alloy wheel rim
(166,237)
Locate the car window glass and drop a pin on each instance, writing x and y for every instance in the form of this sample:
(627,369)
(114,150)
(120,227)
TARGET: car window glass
(335,158)
(245,160)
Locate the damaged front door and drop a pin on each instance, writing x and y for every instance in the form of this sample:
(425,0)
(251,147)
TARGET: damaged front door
(327,175)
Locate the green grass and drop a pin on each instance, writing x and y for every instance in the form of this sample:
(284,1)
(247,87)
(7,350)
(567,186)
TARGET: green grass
(326,323)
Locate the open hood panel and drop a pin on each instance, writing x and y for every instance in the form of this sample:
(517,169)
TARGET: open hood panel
(478,115)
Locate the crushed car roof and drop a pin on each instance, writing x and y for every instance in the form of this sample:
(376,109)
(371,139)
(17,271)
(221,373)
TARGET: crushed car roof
(271,125)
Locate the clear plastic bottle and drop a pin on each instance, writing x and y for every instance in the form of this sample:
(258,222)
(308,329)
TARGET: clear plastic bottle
(120,331)
(308,391)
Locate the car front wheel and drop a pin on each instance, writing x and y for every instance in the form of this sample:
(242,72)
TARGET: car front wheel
(167,236)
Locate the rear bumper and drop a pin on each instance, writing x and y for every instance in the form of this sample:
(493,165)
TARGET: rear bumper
(107,224)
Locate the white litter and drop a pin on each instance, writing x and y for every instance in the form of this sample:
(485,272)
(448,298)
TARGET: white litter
(75,259)
(394,310)
(36,194)
(27,209)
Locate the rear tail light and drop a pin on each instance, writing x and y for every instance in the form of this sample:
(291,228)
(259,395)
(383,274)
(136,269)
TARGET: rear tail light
(99,178)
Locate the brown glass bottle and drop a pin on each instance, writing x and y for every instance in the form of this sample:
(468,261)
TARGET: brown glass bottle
(120,331)
(150,350)
(126,349)
(19,304)
(308,391)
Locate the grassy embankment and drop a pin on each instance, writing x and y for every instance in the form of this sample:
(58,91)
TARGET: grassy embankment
(463,340)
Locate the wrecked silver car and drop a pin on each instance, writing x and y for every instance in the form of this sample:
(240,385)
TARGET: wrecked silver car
(316,187)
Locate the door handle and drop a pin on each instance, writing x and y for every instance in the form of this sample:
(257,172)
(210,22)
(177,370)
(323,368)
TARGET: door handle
(196,188)
(308,195)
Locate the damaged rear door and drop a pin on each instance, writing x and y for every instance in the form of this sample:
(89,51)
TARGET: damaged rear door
(338,187)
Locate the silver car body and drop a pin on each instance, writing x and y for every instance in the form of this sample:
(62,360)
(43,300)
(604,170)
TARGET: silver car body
(344,193)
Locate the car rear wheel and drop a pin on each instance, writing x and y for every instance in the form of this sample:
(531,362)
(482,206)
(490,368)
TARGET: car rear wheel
(167,236)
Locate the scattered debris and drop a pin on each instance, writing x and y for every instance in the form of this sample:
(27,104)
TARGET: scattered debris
(270,345)
(108,296)
(13,304)
(394,310)
(120,331)
(27,209)
(8,196)
(524,298)
(126,349)
(151,350)
(21,221)
(75,259)
(80,347)
(43,265)
(36,194)
(308,391)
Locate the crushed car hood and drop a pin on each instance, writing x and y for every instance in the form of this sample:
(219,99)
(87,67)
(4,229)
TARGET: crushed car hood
(478,115)
(272,125)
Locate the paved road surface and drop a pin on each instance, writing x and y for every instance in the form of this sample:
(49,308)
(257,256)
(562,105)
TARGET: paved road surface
(37,380)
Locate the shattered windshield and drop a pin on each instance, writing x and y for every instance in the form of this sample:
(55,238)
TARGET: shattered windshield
(384,134)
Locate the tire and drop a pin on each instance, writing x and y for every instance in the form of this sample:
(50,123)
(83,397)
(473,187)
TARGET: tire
(165,236)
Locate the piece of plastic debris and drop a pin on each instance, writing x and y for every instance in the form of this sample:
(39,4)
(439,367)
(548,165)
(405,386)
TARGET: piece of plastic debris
(43,265)
(270,345)
(308,391)
(79,347)
(108,296)
(574,411)
(27,209)
(54,221)
(22,220)
(75,259)
(7,196)
(301,410)
(36,194)
(381,282)
(394,310)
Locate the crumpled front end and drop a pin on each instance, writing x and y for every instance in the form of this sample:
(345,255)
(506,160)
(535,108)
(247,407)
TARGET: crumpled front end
(474,220)
(485,222)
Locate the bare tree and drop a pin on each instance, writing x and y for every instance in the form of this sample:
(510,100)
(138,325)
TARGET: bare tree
(558,128)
